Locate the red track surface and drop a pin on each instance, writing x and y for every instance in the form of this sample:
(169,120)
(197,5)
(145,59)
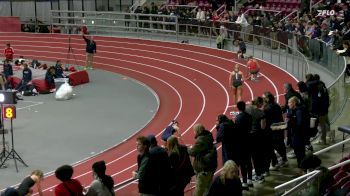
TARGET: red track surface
(191,82)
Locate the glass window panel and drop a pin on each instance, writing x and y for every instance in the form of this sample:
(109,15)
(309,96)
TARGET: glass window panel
(24,9)
(5,8)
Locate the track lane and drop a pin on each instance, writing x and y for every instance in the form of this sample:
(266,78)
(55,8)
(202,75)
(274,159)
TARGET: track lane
(226,56)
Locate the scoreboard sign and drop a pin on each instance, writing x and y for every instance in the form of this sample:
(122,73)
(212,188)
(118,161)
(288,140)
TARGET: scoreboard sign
(9,111)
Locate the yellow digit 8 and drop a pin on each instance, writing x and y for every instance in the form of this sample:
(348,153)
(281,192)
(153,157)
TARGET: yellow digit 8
(9,113)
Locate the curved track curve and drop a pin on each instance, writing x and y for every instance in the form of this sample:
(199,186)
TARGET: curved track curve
(191,82)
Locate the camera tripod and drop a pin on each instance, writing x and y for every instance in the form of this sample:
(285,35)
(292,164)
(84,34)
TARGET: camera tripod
(12,154)
(70,54)
(4,151)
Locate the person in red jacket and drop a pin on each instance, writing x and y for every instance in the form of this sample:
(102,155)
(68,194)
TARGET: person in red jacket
(9,52)
(254,69)
(68,186)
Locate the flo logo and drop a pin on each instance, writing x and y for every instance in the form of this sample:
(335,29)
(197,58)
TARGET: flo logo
(325,12)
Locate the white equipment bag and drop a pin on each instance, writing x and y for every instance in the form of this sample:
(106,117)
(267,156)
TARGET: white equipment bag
(64,92)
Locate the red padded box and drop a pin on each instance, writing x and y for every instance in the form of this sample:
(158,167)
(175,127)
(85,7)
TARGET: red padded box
(41,85)
(79,77)
(14,81)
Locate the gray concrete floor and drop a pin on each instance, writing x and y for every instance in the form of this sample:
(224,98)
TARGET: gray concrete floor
(49,133)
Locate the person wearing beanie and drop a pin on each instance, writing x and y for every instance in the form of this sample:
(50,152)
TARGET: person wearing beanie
(102,185)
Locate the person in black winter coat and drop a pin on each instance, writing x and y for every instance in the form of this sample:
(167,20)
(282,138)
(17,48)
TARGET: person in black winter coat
(144,172)
(273,113)
(298,124)
(225,133)
(290,92)
(205,159)
(242,131)
(159,165)
(180,164)
(228,182)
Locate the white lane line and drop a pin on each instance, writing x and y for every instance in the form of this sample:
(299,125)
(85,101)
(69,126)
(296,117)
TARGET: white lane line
(29,106)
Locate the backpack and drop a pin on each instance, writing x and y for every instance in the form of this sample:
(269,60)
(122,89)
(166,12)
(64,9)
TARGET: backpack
(169,131)
(323,95)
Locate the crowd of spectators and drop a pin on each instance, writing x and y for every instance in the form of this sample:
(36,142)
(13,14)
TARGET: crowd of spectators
(310,31)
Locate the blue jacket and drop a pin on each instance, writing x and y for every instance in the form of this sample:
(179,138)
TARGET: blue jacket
(27,75)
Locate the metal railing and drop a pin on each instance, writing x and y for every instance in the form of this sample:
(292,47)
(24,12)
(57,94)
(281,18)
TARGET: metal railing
(298,188)
(283,49)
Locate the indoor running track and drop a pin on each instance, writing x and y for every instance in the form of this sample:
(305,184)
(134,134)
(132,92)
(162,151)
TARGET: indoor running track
(191,82)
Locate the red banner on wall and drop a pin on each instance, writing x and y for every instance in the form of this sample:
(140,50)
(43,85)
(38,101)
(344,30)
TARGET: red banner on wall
(10,24)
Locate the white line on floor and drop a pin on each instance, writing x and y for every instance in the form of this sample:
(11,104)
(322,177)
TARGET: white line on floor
(31,105)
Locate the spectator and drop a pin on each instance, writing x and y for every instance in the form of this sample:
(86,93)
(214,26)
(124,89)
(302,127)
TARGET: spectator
(102,185)
(35,178)
(90,51)
(228,182)
(289,92)
(181,165)
(205,159)
(68,186)
(225,133)
(236,84)
(298,125)
(325,180)
(159,164)
(258,138)
(243,158)
(273,113)
(346,53)
(9,52)
(143,173)
(321,101)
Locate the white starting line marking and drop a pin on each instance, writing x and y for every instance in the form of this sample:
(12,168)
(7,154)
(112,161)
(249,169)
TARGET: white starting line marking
(35,103)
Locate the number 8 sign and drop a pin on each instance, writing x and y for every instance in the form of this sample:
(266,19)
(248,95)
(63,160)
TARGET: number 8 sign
(9,111)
